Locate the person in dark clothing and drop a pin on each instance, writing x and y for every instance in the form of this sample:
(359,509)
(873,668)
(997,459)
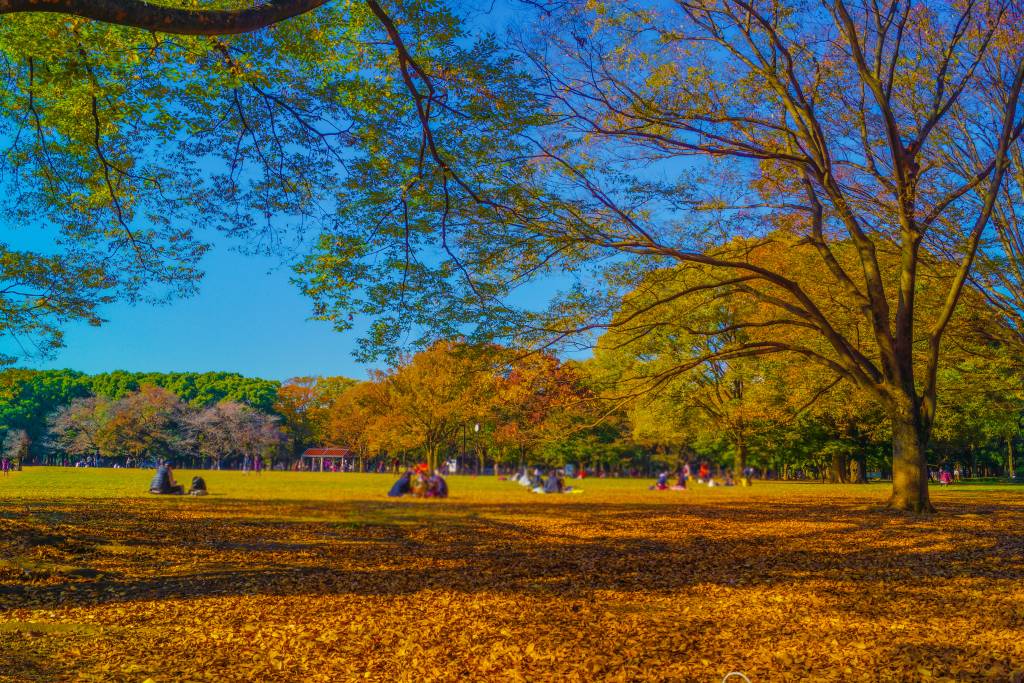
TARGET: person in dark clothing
(681,479)
(402,486)
(437,487)
(163,481)
(553,484)
(198,487)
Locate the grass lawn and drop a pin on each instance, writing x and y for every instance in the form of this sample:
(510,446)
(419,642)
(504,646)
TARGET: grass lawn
(321,577)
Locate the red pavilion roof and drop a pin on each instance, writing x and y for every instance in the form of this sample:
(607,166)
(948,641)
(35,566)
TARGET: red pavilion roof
(326,452)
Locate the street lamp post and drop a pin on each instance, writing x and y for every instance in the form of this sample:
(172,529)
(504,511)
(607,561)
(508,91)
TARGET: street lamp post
(476,446)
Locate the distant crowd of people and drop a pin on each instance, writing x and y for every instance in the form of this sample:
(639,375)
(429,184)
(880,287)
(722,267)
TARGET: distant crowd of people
(537,482)
(418,482)
(703,475)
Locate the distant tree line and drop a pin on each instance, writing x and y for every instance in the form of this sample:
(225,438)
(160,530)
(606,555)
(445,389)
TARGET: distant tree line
(44,412)
(153,423)
(486,406)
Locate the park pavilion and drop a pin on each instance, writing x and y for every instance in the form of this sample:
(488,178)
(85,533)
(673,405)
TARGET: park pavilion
(316,456)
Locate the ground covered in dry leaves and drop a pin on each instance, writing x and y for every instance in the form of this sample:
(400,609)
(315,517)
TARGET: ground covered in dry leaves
(334,582)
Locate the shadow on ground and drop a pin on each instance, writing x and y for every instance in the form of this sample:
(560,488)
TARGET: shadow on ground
(789,589)
(106,552)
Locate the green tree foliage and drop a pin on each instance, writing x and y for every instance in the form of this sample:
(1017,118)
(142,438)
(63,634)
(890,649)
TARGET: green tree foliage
(673,367)
(29,397)
(682,394)
(123,140)
(197,389)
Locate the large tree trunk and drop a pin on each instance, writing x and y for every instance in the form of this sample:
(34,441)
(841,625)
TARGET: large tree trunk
(739,458)
(838,472)
(1010,465)
(861,462)
(909,466)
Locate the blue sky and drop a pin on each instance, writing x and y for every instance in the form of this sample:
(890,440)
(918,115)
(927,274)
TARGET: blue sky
(247,318)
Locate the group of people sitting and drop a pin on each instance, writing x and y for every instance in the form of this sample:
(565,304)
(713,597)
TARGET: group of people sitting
(703,476)
(416,482)
(554,483)
(164,483)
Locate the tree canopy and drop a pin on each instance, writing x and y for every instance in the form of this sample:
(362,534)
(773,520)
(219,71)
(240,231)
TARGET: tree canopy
(831,171)
(875,138)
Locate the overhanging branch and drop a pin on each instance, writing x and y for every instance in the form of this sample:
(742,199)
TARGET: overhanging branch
(162,19)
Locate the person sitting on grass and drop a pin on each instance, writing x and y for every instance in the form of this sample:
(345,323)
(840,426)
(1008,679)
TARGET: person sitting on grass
(662,483)
(402,486)
(748,476)
(554,483)
(163,482)
(728,479)
(418,483)
(198,487)
(437,487)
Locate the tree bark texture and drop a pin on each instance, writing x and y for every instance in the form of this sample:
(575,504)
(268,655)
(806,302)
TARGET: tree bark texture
(909,466)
